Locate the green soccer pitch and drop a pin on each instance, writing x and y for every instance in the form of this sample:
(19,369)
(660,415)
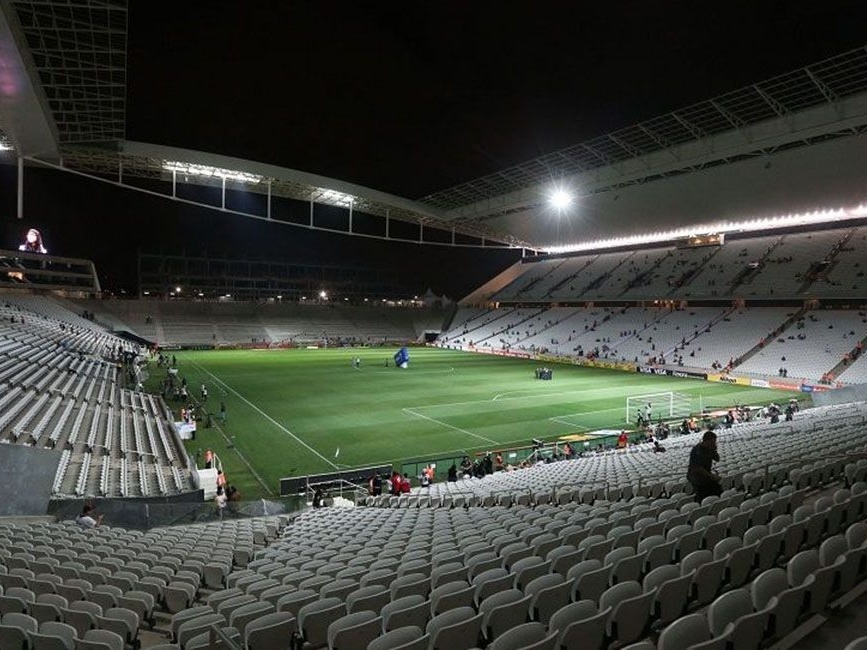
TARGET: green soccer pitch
(290,411)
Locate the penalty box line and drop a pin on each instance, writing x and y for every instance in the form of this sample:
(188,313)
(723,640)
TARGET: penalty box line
(566,419)
(410,411)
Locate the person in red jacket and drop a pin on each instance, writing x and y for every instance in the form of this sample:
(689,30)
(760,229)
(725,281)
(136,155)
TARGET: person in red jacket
(405,487)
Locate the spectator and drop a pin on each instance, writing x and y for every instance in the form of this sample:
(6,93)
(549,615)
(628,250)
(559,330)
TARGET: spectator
(700,472)
(86,518)
(220,501)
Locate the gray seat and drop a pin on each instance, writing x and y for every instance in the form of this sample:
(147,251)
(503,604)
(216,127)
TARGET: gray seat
(502,611)
(293,602)
(580,626)
(194,626)
(548,593)
(209,640)
(15,630)
(630,611)
(731,616)
(353,630)
(100,640)
(270,632)
(450,595)
(806,564)
(455,629)
(409,637)
(407,611)
(185,615)
(685,632)
(81,615)
(373,598)
(771,590)
(527,636)
(53,636)
(671,592)
(314,618)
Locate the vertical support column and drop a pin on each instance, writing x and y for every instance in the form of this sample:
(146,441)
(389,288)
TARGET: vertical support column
(351,203)
(311,213)
(421,232)
(453,235)
(387,223)
(268,204)
(20,207)
(223,195)
(174,183)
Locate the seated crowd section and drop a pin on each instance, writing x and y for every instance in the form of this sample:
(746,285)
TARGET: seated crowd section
(829,263)
(186,322)
(63,390)
(759,340)
(608,550)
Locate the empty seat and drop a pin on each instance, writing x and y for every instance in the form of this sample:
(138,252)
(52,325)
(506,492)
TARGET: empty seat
(272,631)
(353,630)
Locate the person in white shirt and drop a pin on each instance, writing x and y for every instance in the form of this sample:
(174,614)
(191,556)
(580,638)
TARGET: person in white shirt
(86,518)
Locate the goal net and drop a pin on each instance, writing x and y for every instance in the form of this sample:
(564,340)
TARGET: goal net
(664,406)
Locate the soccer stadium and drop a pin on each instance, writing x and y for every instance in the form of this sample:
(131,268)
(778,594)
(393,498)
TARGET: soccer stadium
(606,394)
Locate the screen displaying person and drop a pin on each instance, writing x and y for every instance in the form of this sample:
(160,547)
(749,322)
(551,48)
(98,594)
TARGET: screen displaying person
(33,242)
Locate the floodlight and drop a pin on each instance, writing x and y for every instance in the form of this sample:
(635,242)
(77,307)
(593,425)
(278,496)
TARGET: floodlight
(5,146)
(205,171)
(323,295)
(561,199)
(177,289)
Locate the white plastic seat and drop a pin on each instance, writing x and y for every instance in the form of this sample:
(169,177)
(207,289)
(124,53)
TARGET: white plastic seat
(685,632)
(353,630)
(99,640)
(455,629)
(15,630)
(409,637)
(270,632)
(54,636)
(580,625)
(502,611)
(314,618)
(630,611)
(732,616)
(407,611)
(527,636)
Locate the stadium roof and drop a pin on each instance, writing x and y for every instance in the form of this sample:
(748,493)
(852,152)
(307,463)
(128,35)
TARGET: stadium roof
(65,61)
(806,105)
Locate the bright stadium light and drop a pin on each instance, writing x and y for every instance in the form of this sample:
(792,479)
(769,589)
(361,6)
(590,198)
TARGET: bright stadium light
(752,225)
(177,289)
(323,295)
(205,171)
(560,199)
(5,146)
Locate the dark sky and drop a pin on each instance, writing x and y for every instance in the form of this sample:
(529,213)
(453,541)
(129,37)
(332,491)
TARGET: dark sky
(414,97)
(404,97)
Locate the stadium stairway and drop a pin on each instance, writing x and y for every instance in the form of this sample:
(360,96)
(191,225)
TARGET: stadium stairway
(758,347)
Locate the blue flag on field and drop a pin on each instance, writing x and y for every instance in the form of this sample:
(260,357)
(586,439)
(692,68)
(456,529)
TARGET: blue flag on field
(401,358)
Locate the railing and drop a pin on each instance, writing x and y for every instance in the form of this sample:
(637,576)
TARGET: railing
(342,488)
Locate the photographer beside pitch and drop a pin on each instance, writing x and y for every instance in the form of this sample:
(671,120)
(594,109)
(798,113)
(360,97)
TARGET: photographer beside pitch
(704,480)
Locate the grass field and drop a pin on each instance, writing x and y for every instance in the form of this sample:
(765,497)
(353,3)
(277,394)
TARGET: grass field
(290,411)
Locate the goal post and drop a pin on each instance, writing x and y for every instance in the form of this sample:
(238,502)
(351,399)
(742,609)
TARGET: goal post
(669,405)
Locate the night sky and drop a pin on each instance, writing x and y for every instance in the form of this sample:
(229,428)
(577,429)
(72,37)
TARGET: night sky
(408,98)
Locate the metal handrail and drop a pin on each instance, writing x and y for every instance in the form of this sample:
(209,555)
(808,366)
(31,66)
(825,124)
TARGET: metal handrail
(216,633)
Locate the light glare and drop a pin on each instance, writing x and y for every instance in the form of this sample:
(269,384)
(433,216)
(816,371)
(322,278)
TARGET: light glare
(561,199)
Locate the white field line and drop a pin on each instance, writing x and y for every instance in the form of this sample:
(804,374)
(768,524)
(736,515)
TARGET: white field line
(577,392)
(564,419)
(266,416)
(572,425)
(446,424)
